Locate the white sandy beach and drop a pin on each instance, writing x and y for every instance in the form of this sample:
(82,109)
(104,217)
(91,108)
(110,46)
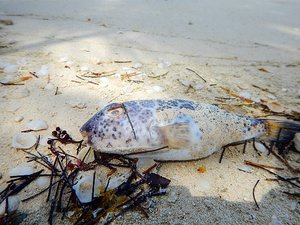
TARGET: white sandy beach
(248,47)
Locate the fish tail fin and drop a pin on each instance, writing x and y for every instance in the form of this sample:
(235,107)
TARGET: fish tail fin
(281,132)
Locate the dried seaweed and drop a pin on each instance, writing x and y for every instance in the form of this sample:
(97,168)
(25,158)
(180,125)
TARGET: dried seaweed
(64,168)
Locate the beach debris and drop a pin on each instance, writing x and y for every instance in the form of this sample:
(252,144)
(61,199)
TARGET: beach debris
(197,74)
(10,205)
(201,169)
(263,70)
(24,140)
(7,22)
(19,119)
(86,155)
(253,194)
(87,188)
(21,170)
(297,141)
(71,185)
(43,71)
(36,125)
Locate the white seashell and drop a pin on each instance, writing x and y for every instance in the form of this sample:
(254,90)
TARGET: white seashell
(3,65)
(83,189)
(63,59)
(23,140)
(19,118)
(37,125)
(9,69)
(115,182)
(84,69)
(20,92)
(87,155)
(157,88)
(10,79)
(42,182)
(13,205)
(245,95)
(43,71)
(104,82)
(21,170)
(137,65)
(261,148)
(297,141)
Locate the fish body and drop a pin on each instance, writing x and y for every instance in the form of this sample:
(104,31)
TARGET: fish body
(181,129)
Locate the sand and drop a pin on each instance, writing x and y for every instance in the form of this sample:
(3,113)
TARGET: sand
(226,43)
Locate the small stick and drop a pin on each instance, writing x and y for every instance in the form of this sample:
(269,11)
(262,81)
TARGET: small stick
(75,81)
(37,142)
(278,176)
(34,74)
(126,112)
(91,82)
(196,74)
(262,166)
(284,162)
(9,83)
(56,91)
(222,154)
(93,187)
(122,61)
(253,194)
(80,77)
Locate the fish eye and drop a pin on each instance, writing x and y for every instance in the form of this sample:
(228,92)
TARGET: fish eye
(115,112)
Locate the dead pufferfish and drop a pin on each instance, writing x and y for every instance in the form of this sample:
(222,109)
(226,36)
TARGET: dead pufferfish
(176,129)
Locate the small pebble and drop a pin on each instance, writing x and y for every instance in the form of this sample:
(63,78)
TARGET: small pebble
(43,71)
(261,148)
(137,65)
(84,69)
(297,141)
(284,90)
(157,88)
(19,119)
(172,197)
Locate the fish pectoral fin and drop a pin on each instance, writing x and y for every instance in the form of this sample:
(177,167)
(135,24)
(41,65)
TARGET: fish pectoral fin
(181,134)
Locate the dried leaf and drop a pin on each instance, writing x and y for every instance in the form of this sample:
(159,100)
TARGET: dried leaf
(263,70)
(202,169)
